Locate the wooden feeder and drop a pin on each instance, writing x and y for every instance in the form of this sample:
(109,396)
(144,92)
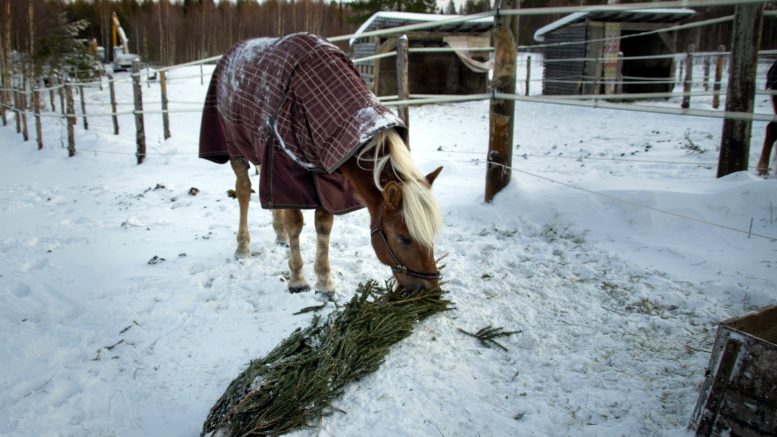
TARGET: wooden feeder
(739,395)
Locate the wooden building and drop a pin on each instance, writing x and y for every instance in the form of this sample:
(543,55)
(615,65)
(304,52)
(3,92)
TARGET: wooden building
(581,56)
(460,72)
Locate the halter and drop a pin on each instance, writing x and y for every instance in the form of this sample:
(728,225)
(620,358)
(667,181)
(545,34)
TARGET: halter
(398,267)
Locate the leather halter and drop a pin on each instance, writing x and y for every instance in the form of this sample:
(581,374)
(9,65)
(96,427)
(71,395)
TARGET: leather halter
(398,267)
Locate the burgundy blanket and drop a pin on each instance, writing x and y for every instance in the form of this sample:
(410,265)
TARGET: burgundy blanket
(297,107)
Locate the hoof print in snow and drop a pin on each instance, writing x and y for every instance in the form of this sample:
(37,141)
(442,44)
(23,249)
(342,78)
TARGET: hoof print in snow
(193,191)
(156,260)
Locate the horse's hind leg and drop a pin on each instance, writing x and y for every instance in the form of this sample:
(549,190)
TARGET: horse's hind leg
(763,161)
(324,220)
(277,225)
(292,223)
(243,193)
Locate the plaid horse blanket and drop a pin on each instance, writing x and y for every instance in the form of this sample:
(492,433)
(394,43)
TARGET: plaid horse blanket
(299,108)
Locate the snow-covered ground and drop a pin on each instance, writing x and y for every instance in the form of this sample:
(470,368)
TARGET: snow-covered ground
(616,302)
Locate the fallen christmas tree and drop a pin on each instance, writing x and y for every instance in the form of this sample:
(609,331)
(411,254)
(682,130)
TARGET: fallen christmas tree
(299,379)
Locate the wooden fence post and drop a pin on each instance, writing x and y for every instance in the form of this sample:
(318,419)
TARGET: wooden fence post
(4,92)
(740,94)
(113,105)
(619,74)
(688,84)
(140,133)
(51,94)
(528,75)
(36,110)
(83,107)
(17,113)
(707,72)
(165,115)
(502,111)
(403,91)
(70,120)
(23,108)
(718,76)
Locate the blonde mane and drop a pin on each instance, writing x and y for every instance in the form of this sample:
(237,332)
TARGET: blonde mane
(420,211)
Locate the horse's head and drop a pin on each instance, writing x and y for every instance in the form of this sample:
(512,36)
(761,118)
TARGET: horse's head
(404,226)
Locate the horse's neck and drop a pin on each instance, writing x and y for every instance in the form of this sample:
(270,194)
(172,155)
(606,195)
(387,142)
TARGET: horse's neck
(362,182)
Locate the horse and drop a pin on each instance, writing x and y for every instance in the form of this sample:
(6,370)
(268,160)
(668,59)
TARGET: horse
(771,128)
(298,109)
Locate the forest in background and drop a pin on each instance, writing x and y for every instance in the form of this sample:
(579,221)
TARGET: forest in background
(165,32)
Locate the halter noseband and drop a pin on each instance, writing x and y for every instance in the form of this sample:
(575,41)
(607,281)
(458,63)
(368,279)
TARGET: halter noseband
(398,267)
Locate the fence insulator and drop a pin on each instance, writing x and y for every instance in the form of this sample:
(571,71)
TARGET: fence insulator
(140,132)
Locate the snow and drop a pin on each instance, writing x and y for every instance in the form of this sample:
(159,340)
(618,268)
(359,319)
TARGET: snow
(617,304)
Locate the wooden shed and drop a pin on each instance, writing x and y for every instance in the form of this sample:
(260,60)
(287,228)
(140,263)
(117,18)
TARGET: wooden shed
(577,41)
(461,72)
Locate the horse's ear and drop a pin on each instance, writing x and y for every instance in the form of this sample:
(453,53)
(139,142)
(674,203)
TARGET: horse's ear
(433,175)
(392,196)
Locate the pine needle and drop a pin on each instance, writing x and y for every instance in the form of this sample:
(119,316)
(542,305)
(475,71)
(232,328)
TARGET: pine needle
(298,381)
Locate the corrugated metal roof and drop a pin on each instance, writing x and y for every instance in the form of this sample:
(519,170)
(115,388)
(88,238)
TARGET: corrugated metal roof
(632,16)
(387,20)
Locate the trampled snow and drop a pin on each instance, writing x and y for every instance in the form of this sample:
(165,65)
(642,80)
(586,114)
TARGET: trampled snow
(124,312)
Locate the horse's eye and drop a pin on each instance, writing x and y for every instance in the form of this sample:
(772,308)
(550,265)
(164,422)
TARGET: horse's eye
(404,240)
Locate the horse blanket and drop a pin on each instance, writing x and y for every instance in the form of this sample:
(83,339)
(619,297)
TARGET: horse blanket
(297,107)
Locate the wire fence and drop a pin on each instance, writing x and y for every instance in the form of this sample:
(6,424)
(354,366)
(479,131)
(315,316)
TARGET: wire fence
(69,111)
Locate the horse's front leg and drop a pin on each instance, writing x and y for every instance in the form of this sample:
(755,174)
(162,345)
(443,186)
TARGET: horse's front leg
(292,224)
(243,194)
(324,220)
(763,161)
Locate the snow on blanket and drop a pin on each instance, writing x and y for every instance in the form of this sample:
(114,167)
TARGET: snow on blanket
(323,111)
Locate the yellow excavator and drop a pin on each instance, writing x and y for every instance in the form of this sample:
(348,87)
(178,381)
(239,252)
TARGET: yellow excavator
(122,58)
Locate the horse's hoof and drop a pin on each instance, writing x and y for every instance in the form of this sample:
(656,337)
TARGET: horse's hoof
(242,254)
(300,289)
(326,296)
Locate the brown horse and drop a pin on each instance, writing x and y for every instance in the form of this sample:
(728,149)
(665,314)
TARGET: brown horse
(298,109)
(771,128)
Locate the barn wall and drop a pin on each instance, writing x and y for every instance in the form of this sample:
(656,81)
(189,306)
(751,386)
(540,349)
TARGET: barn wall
(564,71)
(432,73)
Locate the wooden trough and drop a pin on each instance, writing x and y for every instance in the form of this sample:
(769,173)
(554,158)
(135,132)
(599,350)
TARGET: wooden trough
(739,395)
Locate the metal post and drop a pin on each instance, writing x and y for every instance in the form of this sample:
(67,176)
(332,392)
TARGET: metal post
(740,94)
(502,111)
(528,75)
(140,134)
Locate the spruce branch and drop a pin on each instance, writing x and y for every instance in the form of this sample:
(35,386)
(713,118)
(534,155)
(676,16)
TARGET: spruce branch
(487,335)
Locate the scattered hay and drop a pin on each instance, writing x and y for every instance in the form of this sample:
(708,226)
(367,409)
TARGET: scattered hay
(299,379)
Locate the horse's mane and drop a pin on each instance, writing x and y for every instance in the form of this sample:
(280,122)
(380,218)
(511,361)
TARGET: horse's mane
(420,211)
